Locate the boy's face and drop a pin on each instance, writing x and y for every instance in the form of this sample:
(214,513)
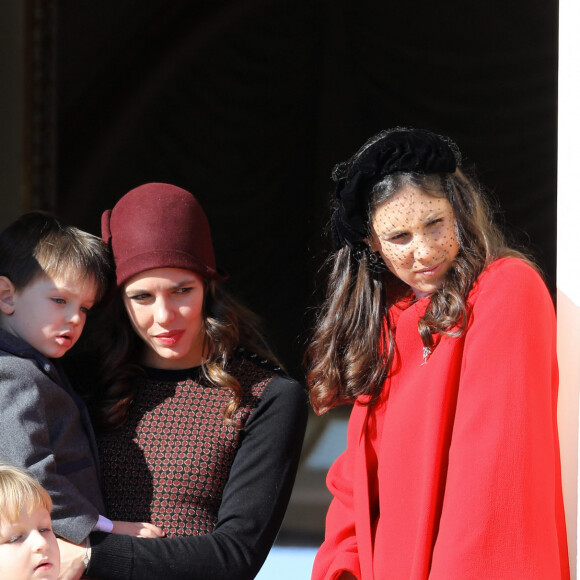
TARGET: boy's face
(28,547)
(50,313)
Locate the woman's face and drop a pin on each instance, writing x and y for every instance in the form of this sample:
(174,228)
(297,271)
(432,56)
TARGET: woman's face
(415,234)
(165,308)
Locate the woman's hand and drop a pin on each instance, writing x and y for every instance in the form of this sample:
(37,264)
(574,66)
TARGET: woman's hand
(138,529)
(72,555)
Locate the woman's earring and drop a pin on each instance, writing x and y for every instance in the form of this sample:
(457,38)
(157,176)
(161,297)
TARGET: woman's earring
(376,262)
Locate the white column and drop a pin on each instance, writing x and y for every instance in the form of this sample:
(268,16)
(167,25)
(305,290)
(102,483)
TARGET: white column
(568,272)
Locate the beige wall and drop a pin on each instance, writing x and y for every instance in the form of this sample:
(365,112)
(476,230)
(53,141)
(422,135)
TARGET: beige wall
(569,360)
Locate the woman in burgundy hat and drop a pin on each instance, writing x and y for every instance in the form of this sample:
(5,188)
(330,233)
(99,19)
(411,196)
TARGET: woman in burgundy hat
(201,432)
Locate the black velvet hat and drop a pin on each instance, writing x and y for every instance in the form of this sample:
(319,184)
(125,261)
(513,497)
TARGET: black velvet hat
(393,151)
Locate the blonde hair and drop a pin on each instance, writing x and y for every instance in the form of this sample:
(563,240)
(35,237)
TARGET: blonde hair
(18,488)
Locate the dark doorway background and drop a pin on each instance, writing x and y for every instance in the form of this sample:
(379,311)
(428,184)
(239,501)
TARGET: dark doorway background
(249,104)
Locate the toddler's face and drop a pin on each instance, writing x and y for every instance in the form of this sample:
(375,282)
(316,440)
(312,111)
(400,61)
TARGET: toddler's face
(50,313)
(28,547)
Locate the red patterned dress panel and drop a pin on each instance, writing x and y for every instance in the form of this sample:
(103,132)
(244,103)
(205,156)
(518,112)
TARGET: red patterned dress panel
(170,461)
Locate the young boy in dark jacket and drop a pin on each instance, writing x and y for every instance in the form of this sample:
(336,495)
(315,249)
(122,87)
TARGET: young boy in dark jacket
(51,275)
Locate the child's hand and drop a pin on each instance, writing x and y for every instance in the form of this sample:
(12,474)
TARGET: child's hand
(138,529)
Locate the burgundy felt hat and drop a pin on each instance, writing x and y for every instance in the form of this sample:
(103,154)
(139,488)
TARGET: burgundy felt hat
(158,225)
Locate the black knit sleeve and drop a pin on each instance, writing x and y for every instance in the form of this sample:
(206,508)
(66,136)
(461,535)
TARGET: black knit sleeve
(253,505)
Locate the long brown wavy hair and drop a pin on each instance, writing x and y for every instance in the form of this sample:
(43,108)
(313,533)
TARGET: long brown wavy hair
(227,326)
(351,350)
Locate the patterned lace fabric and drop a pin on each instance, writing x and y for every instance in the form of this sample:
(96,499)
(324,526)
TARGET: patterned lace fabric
(170,462)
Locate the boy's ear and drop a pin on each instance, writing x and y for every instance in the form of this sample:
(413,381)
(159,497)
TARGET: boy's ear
(7,291)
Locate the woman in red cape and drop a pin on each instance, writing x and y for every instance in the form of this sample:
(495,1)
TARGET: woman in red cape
(444,340)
